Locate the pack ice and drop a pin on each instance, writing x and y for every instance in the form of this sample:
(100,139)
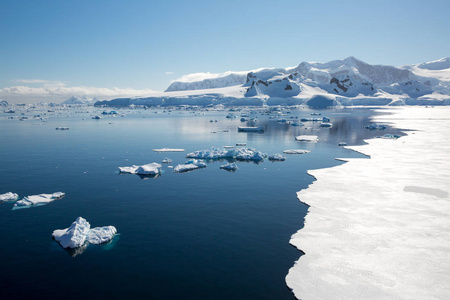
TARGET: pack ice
(80,232)
(37,200)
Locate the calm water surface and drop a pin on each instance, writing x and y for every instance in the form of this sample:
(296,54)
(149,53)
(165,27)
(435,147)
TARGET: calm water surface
(206,234)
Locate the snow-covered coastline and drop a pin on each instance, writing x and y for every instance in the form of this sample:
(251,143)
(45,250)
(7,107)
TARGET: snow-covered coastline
(378,228)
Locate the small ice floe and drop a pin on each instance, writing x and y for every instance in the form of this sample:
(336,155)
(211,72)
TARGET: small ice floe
(184,168)
(228,147)
(8,197)
(37,200)
(81,232)
(389,136)
(168,150)
(62,128)
(166,160)
(96,118)
(297,124)
(296,151)
(198,162)
(148,169)
(241,144)
(251,129)
(250,154)
(229,167)
(326,124)
(374,126)
(307,138)
(277,157)
(342,144)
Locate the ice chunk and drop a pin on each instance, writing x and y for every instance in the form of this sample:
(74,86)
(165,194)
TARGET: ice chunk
(37,200)
(326,124)
(166,160)
(148,169)
(100,235)
(168,150)
(250,154)
(277,157)
(374,126)
(222,153)
(229,167)
(185,168)
(8,197)
(307,138)
(296,151)
(198,162)
(75,235)
(342,144)
(389,136)
(80,231)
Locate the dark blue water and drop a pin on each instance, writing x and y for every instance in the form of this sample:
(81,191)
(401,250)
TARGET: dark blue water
(206,234)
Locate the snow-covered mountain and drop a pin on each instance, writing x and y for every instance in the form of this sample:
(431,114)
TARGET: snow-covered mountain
(75,100)
(347,82)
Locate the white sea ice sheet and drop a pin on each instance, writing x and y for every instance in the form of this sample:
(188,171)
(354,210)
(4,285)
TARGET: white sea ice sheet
(8,197)
(37,200)
(378,228)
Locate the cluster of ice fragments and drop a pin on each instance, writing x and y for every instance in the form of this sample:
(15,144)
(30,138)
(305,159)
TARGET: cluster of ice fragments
(229,167)
(225,153)
(37,200)
(81,232)
(148,169)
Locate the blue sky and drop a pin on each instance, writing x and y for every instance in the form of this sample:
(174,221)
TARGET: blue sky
(135,45)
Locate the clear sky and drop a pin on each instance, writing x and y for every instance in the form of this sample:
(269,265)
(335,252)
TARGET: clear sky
(114,48)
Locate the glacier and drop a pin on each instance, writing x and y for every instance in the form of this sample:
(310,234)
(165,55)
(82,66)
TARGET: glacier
(345,82)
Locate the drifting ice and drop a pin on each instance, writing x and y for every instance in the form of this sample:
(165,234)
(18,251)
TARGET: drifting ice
(148,169)
(79,232)
(277,157)
(8,197)
(229,167)
(37,200)
(221,153)
(307,138)
(375,126)
(185,168)
(168,150)
(198,162)
(296,151)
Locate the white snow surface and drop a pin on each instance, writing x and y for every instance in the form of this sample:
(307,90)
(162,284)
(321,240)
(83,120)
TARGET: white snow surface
(8,197)
(37,200)
(378,228)
(80,231)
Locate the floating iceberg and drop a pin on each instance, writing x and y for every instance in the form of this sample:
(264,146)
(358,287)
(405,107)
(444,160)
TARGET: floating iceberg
(229,167)
(222,153)
(198,162)
(37,200)
(185,168)
(277,157)
(374,126)
(168,150)
(326,124)
(8,197)
(74,236)
(307,138)
(296,151)
(166,160)
(80,231)
(148,169)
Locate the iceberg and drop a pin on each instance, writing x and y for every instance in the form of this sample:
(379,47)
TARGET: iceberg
(222,153)
(198,162)
(37,200)
(296,151)
(148,169)
(8,197)
(307,138)
(184,168)
(74,236)
(229,167)
(166,160)
(168,150)
(277,157)
(80,233)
